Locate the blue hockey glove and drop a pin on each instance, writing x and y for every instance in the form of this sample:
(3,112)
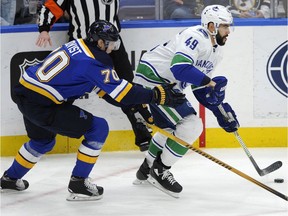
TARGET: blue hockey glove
(165,95)
(229,123)
(216,95)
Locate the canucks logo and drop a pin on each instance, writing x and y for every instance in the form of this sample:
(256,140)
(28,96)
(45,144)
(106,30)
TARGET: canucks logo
(277,69)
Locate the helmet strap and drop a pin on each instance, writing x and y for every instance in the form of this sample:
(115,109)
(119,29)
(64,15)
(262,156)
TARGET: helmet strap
(213,33)
(106,44)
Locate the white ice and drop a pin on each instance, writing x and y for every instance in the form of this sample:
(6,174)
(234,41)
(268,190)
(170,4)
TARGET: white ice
(208,189)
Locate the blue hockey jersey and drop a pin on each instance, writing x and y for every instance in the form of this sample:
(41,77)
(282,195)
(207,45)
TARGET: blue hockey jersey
(73,70)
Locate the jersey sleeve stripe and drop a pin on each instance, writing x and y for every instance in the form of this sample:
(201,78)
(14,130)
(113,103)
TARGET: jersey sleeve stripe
(180,57)
(121,93)
(40,88)
(119,88)
(146,81)
(101,93)
(85,48)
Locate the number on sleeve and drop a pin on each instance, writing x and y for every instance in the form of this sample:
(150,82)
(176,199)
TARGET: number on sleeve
(58,62)
(52,66)
(107,73)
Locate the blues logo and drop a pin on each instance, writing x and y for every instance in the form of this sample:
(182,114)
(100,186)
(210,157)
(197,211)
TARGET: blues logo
(277,69)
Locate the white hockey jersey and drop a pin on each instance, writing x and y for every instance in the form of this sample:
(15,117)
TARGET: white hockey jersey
(190,47)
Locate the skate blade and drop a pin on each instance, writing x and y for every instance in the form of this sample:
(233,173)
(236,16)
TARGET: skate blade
(82,197)
(153,182)
(9,190)
(140,182)
(6,190)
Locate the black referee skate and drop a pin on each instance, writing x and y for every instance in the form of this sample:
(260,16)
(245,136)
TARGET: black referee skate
(13,184)
(161,178)
(142,173)
(82,189)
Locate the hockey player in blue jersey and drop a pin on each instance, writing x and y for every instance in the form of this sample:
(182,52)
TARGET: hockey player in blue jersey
(45,97)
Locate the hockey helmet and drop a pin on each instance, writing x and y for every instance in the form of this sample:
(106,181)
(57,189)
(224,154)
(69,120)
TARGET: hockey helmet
(216,14)
(104,30)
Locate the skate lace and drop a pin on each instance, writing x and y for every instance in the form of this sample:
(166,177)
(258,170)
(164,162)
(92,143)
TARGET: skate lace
(167,175)
(90,185)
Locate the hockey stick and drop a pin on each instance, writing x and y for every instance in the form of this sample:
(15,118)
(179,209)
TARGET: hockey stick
(276,165)
(219,162)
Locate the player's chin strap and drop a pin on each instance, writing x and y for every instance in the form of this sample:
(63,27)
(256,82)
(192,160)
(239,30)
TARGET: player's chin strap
(213,35)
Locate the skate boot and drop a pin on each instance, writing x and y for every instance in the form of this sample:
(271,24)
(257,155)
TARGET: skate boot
(13,184)
(161,178)
(82,189)
(142,174)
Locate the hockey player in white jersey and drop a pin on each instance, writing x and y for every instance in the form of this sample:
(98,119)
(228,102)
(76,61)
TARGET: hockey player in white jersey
(188,59)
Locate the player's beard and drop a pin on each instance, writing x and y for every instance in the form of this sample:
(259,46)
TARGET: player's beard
(220,40)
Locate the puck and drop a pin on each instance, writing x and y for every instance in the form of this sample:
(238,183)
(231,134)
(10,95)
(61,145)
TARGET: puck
(278,180)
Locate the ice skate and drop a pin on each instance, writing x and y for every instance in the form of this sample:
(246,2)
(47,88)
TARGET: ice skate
(161,178)
(142,174)
(13,184)
(82,189)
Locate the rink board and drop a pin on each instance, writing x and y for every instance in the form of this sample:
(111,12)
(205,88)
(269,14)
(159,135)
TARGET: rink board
(252,60)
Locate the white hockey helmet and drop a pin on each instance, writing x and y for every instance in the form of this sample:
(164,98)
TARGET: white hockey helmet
(216,14)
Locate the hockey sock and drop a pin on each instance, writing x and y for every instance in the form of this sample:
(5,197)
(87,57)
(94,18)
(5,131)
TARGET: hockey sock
(156,145)
(27,156)
(87,156)
(16,170)
(172,152)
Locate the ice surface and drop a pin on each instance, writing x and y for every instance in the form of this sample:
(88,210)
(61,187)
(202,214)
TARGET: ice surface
(208,189)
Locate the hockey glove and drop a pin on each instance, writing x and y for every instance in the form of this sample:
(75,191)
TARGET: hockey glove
(216,95)
(165,95)
(230,123)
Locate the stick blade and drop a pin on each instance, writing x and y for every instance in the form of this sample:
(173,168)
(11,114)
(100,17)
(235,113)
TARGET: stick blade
(273,167)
